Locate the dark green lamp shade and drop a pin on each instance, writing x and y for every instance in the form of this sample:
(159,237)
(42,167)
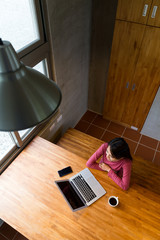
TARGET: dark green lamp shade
(27,97)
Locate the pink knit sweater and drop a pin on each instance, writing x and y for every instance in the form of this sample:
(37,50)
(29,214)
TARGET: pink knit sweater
(120,170)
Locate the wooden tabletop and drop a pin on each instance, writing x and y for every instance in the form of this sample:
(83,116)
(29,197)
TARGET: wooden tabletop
(31,203)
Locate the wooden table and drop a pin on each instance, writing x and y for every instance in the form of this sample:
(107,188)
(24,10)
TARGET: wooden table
(31,203)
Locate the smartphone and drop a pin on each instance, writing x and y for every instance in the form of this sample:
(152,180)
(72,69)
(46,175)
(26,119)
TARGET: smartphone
(65,171)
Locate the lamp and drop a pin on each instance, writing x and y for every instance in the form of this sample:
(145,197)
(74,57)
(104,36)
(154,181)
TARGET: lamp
(27,97)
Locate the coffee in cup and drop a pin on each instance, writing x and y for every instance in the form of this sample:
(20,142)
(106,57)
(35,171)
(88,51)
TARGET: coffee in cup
(113,201)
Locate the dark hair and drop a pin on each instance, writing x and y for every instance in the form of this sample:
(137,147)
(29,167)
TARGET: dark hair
(119,148)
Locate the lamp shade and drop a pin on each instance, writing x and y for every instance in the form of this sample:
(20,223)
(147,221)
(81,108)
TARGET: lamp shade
(27,97)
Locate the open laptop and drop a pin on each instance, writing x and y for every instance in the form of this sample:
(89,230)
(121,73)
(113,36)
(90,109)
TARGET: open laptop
(81,190)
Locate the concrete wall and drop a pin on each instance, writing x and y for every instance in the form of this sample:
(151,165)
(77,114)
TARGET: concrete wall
(70,26)
(104,12)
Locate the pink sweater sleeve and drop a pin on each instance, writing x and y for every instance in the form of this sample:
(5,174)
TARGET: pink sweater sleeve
(126,174)
(92,160)
(123,181)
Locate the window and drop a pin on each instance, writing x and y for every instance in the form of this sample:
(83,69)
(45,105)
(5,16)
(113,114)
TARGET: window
(22,24)
(7,144)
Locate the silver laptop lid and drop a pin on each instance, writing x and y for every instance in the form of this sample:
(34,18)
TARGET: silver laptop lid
(89,188)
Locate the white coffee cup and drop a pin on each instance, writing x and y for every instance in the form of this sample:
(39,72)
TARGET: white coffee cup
(113,201)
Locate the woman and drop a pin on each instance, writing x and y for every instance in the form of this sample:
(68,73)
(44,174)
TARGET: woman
(115,159)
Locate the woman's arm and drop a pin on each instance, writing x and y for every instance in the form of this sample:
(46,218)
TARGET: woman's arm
(126,174)
(92,161)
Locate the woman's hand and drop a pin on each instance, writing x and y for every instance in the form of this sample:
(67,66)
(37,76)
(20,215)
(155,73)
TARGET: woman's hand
(104,167)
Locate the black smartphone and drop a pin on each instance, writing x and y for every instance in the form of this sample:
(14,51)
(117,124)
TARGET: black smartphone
(65,171)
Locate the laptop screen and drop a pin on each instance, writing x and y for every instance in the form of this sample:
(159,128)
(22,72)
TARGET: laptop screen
(71,196)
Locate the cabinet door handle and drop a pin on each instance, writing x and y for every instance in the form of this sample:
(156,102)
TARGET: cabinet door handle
(145,10)
(154,11)
(127,84)
(133,87)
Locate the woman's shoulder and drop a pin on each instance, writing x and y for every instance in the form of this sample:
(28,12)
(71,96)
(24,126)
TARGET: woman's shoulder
(102,148)
(105,145)
(126,161)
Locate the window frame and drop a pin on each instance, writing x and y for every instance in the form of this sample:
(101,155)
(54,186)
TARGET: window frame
(33,45)
(31,55)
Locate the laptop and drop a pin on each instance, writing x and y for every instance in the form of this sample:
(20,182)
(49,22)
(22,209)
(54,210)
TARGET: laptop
(81,190)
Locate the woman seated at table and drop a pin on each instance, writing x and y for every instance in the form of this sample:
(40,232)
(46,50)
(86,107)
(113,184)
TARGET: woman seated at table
(115,159)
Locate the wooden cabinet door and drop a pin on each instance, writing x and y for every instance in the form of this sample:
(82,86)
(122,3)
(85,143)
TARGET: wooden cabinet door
(133,10)
(154,16)
(124,55)
(146,79)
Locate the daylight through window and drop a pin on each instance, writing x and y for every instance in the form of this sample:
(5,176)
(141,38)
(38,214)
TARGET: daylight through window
(21,23)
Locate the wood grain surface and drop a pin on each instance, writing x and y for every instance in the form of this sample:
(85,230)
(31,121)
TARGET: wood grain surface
(146,79)
(126,45)
(154,21)
(32,204)
(132,10)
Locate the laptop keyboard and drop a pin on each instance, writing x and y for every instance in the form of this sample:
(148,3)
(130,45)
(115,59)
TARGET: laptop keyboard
(84,188)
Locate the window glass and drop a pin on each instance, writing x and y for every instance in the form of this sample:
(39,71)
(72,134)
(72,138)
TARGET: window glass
(41,67)
(18,22)
(21,23)
(6,144)
(25,132)
(6,141)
